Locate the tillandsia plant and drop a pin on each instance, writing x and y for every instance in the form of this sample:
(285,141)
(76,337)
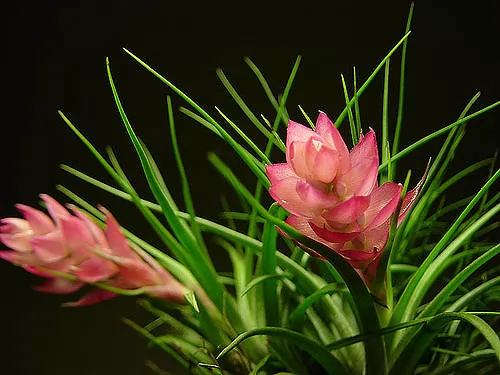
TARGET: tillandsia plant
(348,272)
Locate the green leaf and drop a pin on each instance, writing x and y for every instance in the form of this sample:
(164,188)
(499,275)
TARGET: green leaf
(366,313)
(267,89)
(268,267)
(385,117)
(352,124)
(411,354)
(460,363)
(342,115)
(246,110)
(260,279)
(208,121)
(437,133)
(186,192)
(402,70)
(473,294)
(299,314)
(429,270)
(439,300)
(200,263)
(329,363)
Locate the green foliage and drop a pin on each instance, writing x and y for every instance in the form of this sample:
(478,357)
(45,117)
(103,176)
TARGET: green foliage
(282,311)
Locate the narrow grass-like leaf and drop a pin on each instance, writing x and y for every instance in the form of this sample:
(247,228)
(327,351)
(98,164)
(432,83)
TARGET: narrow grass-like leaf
(284,97)
(163,233)
(438,301)
(352,124)
(368,320)
(308,119)
(437,133)
(461,362)
(429,271)
(469,297)
(240,150)
(461,175)
(246,110)
(267,89)
(186,191)
(356,102)
(248,141)
(268,267)
(415,290)
(201,264)
(329,363)
(299,314)
(402,71)
(171,352)
(260,279)
(385,114)
(406,362)
(343,114)
(260,365)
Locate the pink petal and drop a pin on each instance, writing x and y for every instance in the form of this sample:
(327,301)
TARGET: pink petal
(377,238)
(39,222)
(330,236)
(96,232)
(327,130)
(297,133)
(300,158)
(56,210)
(299,198)
(361,179)
(410,198)
(76,232)
(359,259)
(16,233)
(95,269)
(20,258)
(358,255)
(383,202)
(347,211)
(49,248)
(325,165)
(278,172)
(365,150)
(302,225)
(59,285)
(116,240)
(135,274)
(91,298)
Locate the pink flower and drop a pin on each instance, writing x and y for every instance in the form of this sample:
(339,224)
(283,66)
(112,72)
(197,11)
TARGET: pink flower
(73,245)
(333,194)
(320,172)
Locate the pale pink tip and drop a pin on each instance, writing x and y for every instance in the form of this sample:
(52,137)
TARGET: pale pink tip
(39,222)
(56,210)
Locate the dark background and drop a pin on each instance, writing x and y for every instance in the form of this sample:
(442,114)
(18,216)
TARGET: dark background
(53,57)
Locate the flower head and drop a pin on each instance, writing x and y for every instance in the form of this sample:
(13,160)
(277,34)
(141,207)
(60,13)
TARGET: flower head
(333,194)
(320,172)
(70,250)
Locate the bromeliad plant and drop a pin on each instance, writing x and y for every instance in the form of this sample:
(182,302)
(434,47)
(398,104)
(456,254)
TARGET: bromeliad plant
(348,272)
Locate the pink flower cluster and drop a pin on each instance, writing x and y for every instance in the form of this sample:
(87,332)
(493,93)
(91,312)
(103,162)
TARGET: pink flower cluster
(333,195)
(72,245)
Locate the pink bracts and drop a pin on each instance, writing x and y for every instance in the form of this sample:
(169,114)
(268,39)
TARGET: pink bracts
(70,250)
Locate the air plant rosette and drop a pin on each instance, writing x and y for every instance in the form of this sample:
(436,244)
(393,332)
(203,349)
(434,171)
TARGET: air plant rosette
(337,276)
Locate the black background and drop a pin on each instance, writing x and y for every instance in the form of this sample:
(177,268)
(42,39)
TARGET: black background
(53,57)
